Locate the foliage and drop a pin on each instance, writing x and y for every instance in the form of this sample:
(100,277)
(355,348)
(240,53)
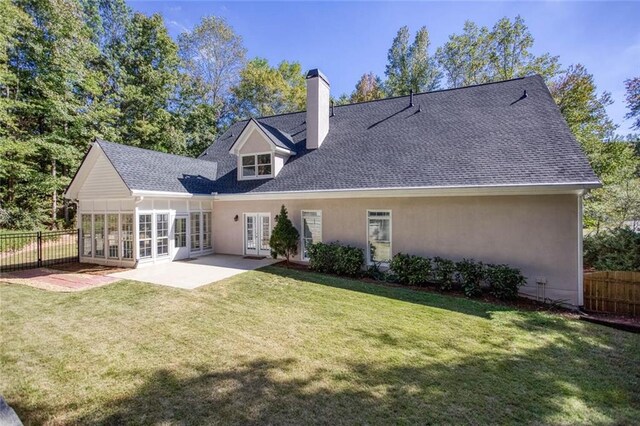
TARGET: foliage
(504,281)
(632,98)
(469,275)
(264,90)
(443,272)
(480,55)
(335,258)
(615,250)
(410,67)
(411,270)
(368,88)
(285,237)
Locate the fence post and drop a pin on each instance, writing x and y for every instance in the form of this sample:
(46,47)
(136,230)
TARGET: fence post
(39,248)
(78,244)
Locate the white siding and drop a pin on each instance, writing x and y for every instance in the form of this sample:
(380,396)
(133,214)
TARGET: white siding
(103,182)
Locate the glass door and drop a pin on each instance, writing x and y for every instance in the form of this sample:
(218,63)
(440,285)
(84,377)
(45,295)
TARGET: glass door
(180,238)
(257,232)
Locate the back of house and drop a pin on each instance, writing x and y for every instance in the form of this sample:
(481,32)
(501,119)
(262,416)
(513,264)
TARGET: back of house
(489,172)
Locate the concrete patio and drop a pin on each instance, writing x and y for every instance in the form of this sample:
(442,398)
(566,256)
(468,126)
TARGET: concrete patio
(193,273)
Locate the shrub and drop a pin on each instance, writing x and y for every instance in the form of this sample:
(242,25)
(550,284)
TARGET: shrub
(335,258)
(285,237)
(411,270)
(349,260)
(617,250)
(504,281)
(443,270)
(470,274)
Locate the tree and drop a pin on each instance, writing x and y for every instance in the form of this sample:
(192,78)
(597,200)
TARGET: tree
(368,88)
(285,237)
(613,160)
(480,55)
(264,90)
(410,67)
(633,101)
(212,56)
(148,118)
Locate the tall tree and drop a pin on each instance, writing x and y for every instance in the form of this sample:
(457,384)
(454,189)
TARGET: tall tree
(264,90)
(613,160)
(212,56)
(148,105)
(633,101)
(480,55)
(368,88)
(410,67)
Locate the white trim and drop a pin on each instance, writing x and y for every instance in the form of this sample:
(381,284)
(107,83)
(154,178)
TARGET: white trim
(143,193)
(427,191)
(367,252)
(302,246)
(580,254)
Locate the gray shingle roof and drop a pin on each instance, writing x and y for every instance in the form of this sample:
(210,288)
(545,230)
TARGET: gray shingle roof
(146,170)
(480,135)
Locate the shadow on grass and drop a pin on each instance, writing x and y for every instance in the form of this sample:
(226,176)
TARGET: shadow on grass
(547,385)
(441,301)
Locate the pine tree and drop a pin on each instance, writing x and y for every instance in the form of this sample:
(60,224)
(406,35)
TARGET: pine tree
(285,237)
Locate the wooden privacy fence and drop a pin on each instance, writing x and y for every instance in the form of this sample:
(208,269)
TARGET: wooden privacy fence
(615,292)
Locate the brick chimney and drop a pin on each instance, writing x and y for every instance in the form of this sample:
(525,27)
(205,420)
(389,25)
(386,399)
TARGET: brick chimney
(317,108)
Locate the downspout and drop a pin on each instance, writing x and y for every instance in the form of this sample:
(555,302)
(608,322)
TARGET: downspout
(580,251)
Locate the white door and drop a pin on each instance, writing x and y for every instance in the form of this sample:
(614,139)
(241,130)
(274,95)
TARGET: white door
(180,237)
(257,232)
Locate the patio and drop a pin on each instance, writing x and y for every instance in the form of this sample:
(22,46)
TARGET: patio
(193,273)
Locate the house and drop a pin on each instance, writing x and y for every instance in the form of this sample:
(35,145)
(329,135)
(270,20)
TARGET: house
(489,172)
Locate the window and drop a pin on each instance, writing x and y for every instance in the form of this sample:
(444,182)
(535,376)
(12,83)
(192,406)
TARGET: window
(180,232)
(85,226)
(206,230)
(127,236)
(144,235)
(257,165)
(112,236)
(311,230)
(98,230)
(162,234)
(195,231)
(379,235)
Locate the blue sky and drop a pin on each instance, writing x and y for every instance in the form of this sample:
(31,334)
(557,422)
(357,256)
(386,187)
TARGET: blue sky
(347,39)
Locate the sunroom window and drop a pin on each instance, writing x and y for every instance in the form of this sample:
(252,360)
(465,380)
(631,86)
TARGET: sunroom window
(256,165)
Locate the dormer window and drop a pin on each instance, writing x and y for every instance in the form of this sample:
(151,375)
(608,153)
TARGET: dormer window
(257,165)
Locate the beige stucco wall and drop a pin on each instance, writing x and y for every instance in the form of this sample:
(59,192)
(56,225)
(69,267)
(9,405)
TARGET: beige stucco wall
(255,143)
(538,234)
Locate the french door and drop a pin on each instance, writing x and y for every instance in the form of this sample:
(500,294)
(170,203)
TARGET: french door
(180,237)
(257,232)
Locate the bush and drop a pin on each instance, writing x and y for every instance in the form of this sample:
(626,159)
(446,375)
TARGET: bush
(284,238)
(443,270)
(617,250)
(470,275)
(504,281)
(334,258)
(411,270)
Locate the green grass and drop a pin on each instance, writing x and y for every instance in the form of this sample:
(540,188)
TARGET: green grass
(277,346)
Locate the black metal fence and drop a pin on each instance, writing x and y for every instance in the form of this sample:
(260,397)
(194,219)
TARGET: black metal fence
(24,250)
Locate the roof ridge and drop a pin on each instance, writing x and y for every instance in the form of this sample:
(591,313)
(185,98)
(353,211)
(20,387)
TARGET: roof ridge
(100,141)
(399,96)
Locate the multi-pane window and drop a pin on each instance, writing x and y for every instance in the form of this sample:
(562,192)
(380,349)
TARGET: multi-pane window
(257,165)
(145,235)
(311,230)
(379,233)
(180,232)
(127,235)
(206,230)
(195,231)
(162,234)
(113,242)
(98,232)
(85,226)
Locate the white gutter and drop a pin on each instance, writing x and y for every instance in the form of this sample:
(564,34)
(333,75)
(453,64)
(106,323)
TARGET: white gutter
(142,193)
(428,191)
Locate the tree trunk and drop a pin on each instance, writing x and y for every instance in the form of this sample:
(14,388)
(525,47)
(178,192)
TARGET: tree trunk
(54,207)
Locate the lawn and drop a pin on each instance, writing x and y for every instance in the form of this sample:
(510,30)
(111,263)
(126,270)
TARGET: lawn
(277,346)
